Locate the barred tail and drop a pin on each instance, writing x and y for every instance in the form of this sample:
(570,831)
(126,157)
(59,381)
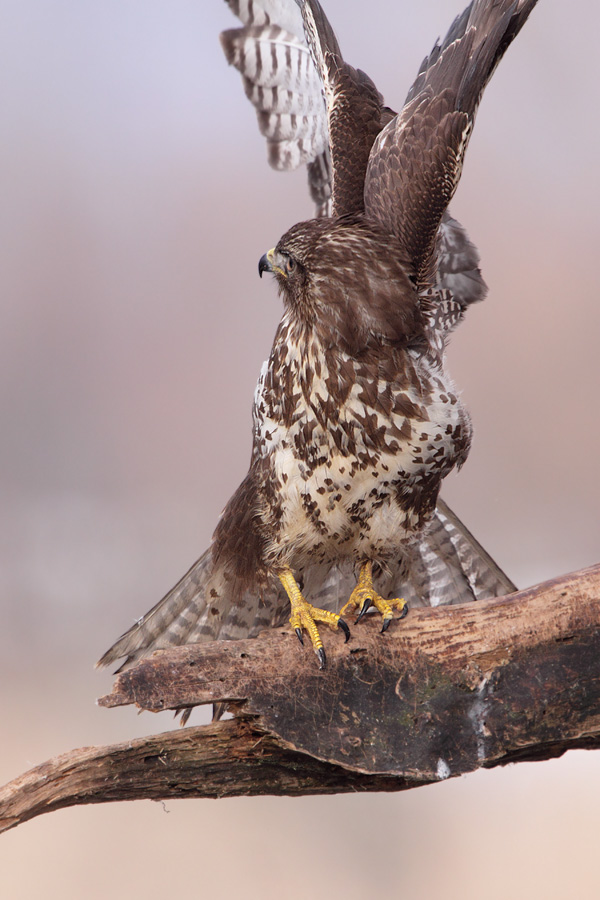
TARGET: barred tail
(447,566)
(169,622)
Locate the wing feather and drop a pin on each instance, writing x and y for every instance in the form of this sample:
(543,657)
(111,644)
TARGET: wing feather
(457,260)
(417,159)
(354,111)
(282,83)
(285,13)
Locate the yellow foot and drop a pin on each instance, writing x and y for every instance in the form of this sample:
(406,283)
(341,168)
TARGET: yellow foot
(304,616)
(364,596)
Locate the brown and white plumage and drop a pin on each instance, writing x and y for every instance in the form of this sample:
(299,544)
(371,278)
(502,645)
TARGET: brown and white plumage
(355,421)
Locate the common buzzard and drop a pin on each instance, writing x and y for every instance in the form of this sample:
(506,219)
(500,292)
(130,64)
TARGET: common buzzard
(356,422)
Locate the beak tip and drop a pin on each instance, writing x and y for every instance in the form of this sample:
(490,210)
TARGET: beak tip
(263,265)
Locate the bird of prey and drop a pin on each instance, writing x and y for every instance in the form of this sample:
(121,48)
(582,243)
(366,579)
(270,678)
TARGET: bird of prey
(356,422)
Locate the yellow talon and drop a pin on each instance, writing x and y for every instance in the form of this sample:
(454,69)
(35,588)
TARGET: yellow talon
(304,616)
(364,595)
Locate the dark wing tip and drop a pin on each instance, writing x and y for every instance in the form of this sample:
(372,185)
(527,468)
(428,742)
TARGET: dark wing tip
(227,39)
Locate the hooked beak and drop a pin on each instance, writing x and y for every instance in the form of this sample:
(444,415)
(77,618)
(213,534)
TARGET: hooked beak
(269,263)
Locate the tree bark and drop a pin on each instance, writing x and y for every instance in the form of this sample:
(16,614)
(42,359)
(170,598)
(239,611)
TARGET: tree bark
(446,691)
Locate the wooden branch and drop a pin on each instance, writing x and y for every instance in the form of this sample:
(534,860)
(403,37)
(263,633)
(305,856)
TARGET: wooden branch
(444,692)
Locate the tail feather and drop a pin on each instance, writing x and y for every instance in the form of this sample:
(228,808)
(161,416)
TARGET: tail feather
(485,577)
(447,566)
(170,622)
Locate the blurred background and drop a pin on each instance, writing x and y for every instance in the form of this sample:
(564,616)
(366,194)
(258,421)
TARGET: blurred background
(136,202)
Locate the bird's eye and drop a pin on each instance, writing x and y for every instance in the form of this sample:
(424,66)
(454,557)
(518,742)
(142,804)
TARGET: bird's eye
(290,265)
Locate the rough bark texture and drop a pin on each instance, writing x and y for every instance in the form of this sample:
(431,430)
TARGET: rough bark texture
(444,692)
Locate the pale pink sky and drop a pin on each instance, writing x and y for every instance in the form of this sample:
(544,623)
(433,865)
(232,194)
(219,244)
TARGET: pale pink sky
(136,204)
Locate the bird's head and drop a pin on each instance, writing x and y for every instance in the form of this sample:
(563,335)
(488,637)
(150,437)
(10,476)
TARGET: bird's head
(292,262)
(349,279)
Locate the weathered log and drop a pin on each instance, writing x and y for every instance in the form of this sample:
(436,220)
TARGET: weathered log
(444,692)
(448,689)
(225,759)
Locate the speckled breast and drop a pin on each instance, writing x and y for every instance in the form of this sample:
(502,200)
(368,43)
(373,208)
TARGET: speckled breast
(354,452)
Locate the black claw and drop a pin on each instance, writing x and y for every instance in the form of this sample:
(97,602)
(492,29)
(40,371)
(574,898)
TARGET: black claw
(345,629)
(299,635)
(386,625)
(404,612)
(321,657)
(364,608)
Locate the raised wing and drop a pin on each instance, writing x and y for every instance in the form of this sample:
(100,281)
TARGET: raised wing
(417,159)
(355,112)
(281,81)
(312,107)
